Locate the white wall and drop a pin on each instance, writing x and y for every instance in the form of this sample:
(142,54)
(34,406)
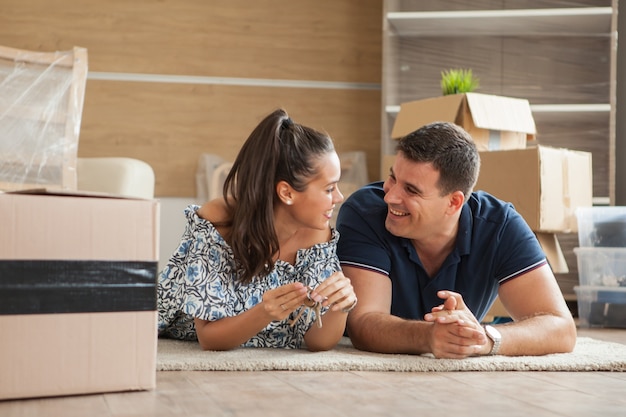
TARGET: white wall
(172,225)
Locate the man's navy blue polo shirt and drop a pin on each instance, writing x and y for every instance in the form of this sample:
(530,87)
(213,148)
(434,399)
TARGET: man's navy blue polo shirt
(494,244)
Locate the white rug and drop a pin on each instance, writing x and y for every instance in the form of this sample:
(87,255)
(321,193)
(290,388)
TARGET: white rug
(589,355)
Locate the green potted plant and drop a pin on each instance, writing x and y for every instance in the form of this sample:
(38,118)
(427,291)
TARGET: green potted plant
(456,81)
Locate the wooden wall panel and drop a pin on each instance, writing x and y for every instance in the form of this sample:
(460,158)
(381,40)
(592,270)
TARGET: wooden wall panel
(170,125)
(326,40)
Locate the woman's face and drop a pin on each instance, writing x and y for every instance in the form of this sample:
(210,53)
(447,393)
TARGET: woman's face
(314,206)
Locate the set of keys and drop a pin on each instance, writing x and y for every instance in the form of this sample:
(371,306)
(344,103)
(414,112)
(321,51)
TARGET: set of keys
(309,303)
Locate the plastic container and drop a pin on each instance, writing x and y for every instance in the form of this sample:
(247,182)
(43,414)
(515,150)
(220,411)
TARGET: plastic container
(601,266)
(601,226)
(601,306)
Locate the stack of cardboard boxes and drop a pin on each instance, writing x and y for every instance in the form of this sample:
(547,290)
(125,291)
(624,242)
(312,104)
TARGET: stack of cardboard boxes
(545,184)
(77,270)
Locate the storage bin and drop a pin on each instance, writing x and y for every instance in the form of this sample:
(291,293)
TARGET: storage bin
(601,266)
(601,306)
(601,226)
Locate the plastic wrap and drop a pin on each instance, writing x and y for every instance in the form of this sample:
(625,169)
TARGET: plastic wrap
(210,177)
(41,103)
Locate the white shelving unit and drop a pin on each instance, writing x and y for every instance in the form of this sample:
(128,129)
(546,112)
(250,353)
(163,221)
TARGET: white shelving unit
(417,33)
(544,108)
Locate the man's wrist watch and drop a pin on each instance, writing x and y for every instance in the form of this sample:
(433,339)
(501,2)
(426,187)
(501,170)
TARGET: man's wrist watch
(495,336)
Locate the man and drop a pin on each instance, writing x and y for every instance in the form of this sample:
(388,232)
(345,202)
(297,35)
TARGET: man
(427,258)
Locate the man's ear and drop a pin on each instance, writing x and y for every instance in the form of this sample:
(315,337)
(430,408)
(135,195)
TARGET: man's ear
(457,199)
(284,191)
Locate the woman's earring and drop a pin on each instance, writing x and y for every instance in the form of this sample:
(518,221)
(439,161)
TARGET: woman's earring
(289,202)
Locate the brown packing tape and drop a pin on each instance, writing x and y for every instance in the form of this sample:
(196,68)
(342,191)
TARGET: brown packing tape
(566,192)
(569,191)
(577,186)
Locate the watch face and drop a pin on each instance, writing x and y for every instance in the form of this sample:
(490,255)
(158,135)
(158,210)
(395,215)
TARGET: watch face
(495,337)
(493,333)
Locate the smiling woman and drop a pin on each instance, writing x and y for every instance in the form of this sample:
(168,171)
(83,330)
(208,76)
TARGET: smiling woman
(252,262)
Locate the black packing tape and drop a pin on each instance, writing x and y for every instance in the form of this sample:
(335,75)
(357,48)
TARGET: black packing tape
(69,286)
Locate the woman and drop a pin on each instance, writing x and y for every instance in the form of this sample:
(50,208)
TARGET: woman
(251,263)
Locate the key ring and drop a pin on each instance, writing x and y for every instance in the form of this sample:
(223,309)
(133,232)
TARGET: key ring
(309,303)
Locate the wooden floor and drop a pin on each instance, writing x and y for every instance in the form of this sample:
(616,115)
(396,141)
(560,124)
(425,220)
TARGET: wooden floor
(363,394)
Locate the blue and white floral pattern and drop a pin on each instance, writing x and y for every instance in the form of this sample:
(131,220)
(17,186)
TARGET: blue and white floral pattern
(200,281)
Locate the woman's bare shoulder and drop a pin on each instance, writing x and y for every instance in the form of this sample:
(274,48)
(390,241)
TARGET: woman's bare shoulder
(215,211)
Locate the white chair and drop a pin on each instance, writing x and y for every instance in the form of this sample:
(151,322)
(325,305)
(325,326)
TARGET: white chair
(210,176)
(127,177)
(216,189)
(353,176)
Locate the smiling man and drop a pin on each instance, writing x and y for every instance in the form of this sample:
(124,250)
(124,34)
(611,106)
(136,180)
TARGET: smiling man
(427,257)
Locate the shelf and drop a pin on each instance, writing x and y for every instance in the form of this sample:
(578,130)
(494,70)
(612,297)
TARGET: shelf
(545,108)
(570,108)
(581,21)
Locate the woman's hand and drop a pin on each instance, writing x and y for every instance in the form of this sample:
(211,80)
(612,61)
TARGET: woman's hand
(280,302)
(335,292)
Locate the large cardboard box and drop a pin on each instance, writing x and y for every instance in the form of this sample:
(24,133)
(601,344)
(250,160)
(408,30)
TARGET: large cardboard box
(77,294)
(545,184)
(495,122)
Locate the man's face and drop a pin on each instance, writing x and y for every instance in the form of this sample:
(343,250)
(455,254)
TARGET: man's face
(416,210)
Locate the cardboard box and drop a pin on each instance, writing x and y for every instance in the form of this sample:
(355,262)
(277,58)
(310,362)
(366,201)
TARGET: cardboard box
(545,184)
(77,294)
(494,122)
(554,254)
